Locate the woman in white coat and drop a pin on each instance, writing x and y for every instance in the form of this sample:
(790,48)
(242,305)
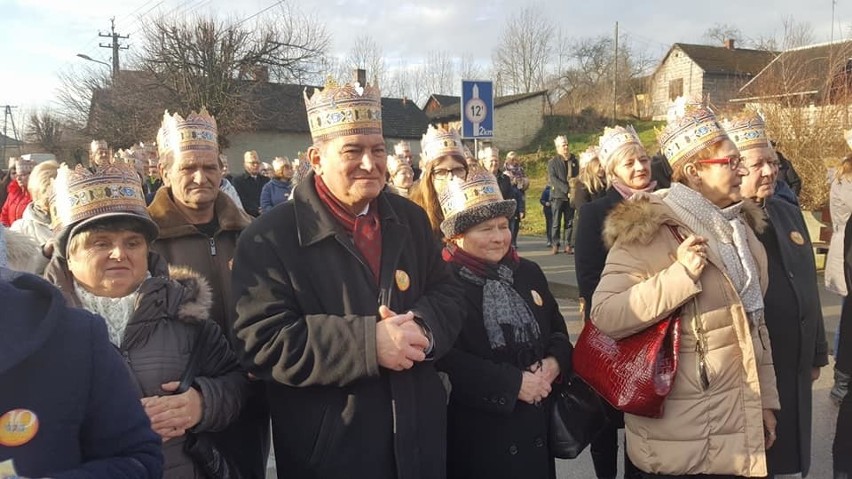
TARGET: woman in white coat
(840,204)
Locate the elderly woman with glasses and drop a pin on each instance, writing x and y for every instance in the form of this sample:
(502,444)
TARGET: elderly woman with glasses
(444,159)
(719,418)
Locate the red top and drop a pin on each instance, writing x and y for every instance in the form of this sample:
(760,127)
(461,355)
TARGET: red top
(16,202)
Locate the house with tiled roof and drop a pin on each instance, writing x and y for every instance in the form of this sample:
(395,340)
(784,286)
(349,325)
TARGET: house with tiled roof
(517,118)
(714,73)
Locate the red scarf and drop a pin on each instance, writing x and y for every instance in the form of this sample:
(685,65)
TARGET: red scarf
(366,229)
(486,269)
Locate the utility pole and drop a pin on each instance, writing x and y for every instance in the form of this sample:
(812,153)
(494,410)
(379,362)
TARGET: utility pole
(615,79)
(115,46)
(7,119)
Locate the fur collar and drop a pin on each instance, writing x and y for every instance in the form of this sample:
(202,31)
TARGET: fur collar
(23,253)
(173,224)
(197,298)
(638,219)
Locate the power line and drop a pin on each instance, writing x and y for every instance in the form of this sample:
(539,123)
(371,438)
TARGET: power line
(279,2)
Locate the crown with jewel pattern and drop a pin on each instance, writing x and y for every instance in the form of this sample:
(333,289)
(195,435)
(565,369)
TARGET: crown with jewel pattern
(343,110)
(613,139)
(466,203)
(691,127)
(197,131)
(81,196)
(438,142)
(747,131)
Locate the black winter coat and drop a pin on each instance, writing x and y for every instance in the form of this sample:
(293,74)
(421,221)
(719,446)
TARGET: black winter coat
(249,188)
(796,331)
(171,319)
(490,432)
(307,306)
(589,250)
(559,172)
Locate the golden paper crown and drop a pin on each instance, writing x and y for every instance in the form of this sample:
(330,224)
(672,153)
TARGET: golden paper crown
(401,148)
(395,164)
(466,203)
(197,131)
(691,128)
(98,145)
(613,139)
(747,131)
(345,110)
(81,197)
(848,136)
(587,156)
(438,142)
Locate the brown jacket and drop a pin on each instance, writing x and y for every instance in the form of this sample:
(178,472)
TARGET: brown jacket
(181,243)
(712,429)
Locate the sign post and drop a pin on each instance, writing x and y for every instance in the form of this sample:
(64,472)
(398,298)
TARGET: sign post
(477,110)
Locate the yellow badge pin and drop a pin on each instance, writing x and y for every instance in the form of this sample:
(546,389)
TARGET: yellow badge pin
(403,282)
(536,298)
(797,238)
(18,427)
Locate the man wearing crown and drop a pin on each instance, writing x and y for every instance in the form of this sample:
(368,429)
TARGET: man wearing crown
(343,305)
(560,169)
(199,228)
(99,154)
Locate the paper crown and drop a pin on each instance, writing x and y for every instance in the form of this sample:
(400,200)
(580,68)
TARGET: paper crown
(395,164)
(81,197)
(691,127)
(848,136)
(342,110)
(466,151)
(560,140)
(587,156)
(613,139)
(466,203)
(401,147)
(438,142)
(488,152)
(747,131)
(196,132)
(98,145)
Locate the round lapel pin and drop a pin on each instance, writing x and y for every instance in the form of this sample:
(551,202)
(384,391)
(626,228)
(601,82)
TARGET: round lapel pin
(797,238)
(403,282)
(18,427)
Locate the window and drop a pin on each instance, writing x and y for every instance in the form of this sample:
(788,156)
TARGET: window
(675,88)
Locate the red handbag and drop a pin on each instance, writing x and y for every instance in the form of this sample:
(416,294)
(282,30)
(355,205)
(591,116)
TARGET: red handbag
(634,374)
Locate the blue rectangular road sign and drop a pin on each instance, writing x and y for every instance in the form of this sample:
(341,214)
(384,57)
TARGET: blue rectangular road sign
(477,109)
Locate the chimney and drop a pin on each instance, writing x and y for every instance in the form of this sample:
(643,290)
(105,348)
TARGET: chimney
(729,43)
(361,76)
(404,99)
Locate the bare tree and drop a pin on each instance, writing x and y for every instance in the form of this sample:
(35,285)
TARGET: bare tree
(366,54)
(524,51)
(468,69)
(45,129)
(797,34)
(720,32)
(74,95)
(439,72)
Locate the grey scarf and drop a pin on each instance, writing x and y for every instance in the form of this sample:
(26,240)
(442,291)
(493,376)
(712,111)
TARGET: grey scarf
(727,234)
(503,306)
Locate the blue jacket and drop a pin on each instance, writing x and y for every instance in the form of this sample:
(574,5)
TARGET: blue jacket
(274,192)
(57,364)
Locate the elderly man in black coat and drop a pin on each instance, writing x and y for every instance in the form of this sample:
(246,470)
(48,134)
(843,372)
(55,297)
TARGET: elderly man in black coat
(793,311)
(343,305)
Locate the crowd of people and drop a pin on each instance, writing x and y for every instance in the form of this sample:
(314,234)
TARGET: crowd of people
(374,310)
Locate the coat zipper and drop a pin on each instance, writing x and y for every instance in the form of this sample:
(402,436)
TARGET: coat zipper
(700,347)
(212,247)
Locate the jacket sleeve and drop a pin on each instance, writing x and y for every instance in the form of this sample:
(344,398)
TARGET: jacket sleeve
(224,386)
(266,197)
(276,341)
(116,439)
(765,367)
(589,253)
(520,197)
(5,218)
(629,297)
(481,383)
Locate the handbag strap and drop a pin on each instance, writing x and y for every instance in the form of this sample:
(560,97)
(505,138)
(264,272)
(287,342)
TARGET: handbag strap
(194,363)
(676,233)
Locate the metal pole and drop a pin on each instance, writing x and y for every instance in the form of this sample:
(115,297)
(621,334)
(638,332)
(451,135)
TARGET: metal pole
(615,78)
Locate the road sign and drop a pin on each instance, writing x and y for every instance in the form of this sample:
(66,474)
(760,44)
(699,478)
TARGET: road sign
(477,109)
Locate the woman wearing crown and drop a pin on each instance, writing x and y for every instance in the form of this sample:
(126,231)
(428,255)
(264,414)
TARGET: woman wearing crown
(512,346)
(156,316)
(719,418)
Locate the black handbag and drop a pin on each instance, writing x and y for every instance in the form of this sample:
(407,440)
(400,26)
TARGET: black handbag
(201,447)
(577,417)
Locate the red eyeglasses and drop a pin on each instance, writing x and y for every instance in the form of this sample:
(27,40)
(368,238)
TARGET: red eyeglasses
(733,162)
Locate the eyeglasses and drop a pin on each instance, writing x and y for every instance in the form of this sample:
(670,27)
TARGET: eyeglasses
(733,162)
(443,173)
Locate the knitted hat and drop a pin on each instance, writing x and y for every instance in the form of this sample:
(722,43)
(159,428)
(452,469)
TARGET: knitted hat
(81,198)
(467,203)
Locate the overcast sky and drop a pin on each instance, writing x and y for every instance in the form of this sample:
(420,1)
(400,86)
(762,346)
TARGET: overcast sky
(41,37)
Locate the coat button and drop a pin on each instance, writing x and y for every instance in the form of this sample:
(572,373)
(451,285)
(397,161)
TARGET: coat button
(539,442)
(502,401)
(513,449)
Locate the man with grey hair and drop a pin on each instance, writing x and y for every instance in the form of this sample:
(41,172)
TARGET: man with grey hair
(560,169)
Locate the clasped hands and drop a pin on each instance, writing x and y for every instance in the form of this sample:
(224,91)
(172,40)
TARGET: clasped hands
(536,383)
(171,416)
(400,341)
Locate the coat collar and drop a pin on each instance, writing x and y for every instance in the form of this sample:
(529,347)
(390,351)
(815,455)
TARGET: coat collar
(173,224)
(313,220)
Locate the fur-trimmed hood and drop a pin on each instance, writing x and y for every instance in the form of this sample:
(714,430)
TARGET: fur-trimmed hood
(197,298)
(638,219)
(21,253)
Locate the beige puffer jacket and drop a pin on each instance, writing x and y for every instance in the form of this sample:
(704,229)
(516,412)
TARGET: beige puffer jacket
(715,428)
